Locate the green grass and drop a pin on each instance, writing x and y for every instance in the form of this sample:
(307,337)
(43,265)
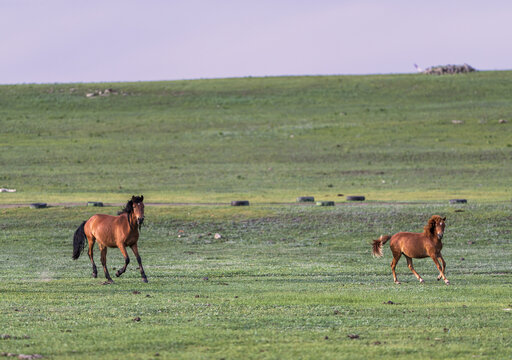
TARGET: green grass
(389,137)
(283,282)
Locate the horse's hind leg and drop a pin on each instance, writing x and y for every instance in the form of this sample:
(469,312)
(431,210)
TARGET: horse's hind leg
(122,248)
(103,250)
(409,264)
(136,253)
(91,257)
(396,257)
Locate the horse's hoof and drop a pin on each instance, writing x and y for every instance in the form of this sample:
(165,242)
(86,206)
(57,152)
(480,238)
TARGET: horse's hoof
(144,280)
(422,281)
(397,282)
(117,274)
(447,282)
(108,282)
(94,275)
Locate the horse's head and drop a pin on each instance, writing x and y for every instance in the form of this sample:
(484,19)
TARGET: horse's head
(436,226)
(138,208)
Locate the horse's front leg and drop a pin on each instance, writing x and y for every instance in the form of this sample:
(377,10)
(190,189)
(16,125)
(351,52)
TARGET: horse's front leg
(122,248)
(443,265)
(441,272)
(136,253)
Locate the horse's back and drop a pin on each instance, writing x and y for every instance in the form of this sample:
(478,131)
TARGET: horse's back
(102,228)
(410,244)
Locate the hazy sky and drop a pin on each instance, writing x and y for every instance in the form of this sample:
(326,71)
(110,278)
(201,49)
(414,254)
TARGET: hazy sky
(127,40)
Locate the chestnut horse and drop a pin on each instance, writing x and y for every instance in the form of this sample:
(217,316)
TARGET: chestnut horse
(112,231)
(416,245)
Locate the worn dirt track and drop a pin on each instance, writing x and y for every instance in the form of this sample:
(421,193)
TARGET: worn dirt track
(74,204)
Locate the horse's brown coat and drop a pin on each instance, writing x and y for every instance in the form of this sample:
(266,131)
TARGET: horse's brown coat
(416,245)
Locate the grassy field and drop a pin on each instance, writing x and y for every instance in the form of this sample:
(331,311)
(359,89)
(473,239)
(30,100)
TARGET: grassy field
(283,281)
(388,137)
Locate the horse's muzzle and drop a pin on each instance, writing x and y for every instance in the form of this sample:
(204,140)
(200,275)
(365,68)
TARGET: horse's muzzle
(440,237)
(140,221)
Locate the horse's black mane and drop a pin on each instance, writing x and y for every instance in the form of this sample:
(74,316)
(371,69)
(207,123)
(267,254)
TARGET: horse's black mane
(128,208)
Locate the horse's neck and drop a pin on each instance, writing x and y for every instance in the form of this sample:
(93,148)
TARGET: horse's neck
(129,219)
(433,237)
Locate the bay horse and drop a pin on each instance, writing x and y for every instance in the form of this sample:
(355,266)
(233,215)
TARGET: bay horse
(112,231)
(416,245)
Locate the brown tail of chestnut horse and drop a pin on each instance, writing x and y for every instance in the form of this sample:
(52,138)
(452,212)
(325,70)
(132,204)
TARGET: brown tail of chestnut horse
(79,241)
(377,245)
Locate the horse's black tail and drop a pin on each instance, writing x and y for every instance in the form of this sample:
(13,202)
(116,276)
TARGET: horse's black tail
(79,241)
(377,245)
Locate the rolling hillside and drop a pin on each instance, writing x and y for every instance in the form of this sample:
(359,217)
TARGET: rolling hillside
(388,137)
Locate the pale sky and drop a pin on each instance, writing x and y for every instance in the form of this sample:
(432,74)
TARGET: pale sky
(61,41)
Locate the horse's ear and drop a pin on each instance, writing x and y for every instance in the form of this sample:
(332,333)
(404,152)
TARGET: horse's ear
(141,198)
(444,219)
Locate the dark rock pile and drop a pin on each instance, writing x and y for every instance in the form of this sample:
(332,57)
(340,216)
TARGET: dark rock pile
(449,69)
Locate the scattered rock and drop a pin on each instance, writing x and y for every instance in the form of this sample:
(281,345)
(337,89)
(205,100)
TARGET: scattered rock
(239,203)
(136,319)
(326,337)
(306,199)
(502,121)
(458,201)
(353,336)
(5,336)
(7,190)
(95,203)
(355,198)
(106,92)
(462,259)
(38,205)
(217,236)
(136,292)
(205,278)
(325,203)
(29,357)
(376,343)
(457,122)
(470,242)
(389,302)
